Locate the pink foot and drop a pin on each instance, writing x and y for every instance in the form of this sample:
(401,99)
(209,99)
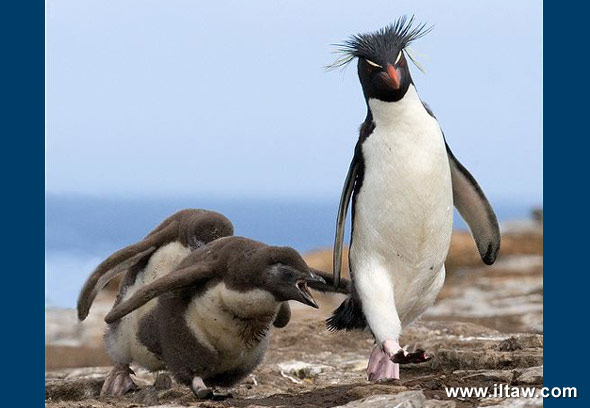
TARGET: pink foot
(385,360)
(381,367)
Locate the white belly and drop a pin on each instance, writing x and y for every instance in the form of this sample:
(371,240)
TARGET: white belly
(122,342)
(212,319)
(404,209)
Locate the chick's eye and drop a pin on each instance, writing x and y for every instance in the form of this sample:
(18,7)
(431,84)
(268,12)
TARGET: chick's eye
(371,63)
(288,273)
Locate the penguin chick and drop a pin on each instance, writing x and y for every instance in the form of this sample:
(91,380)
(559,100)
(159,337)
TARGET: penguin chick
(189,229)
(208,320)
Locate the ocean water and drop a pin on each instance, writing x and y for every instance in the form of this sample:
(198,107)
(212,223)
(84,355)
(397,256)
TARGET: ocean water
(82,230)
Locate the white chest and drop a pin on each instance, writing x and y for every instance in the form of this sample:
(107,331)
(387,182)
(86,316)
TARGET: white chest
(404,207)
(403,215)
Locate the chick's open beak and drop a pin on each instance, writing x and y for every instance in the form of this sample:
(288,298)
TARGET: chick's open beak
(306,297)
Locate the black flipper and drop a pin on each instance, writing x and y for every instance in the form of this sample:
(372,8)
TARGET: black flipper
(328,286)
(341,220)
(475,209)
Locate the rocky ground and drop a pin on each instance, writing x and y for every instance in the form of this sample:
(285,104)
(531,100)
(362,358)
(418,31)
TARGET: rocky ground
(485,329)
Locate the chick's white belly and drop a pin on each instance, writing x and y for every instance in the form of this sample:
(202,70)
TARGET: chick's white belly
(403,221)
(122,341)
(212,319)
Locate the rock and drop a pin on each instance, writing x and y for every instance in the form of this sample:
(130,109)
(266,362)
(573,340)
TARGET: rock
(406,399)
(484,359)
(467,346)
(520,342)
(518,403)
(496,376)
(301,369)
(531,376)
(530,341)
(510,344)
(434,403)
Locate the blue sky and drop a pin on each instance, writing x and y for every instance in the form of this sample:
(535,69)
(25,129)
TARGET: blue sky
(230,98)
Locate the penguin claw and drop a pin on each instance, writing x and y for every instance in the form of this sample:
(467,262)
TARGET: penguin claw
(403,357)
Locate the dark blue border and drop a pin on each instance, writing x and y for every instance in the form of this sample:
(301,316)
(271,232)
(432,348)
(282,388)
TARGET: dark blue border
(566,202)
(566,206)
(22,169)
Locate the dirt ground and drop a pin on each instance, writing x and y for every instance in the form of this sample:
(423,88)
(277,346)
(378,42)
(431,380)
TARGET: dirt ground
(485,328)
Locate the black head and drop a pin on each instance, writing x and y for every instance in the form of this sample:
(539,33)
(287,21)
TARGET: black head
(382,65)
(287,275)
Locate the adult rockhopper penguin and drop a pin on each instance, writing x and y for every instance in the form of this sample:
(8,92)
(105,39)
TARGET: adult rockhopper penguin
(403,181)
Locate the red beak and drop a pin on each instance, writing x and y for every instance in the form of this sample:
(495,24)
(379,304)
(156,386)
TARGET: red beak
(394,76)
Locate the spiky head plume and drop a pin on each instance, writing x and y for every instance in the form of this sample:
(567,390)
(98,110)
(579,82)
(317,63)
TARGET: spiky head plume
(388,40)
